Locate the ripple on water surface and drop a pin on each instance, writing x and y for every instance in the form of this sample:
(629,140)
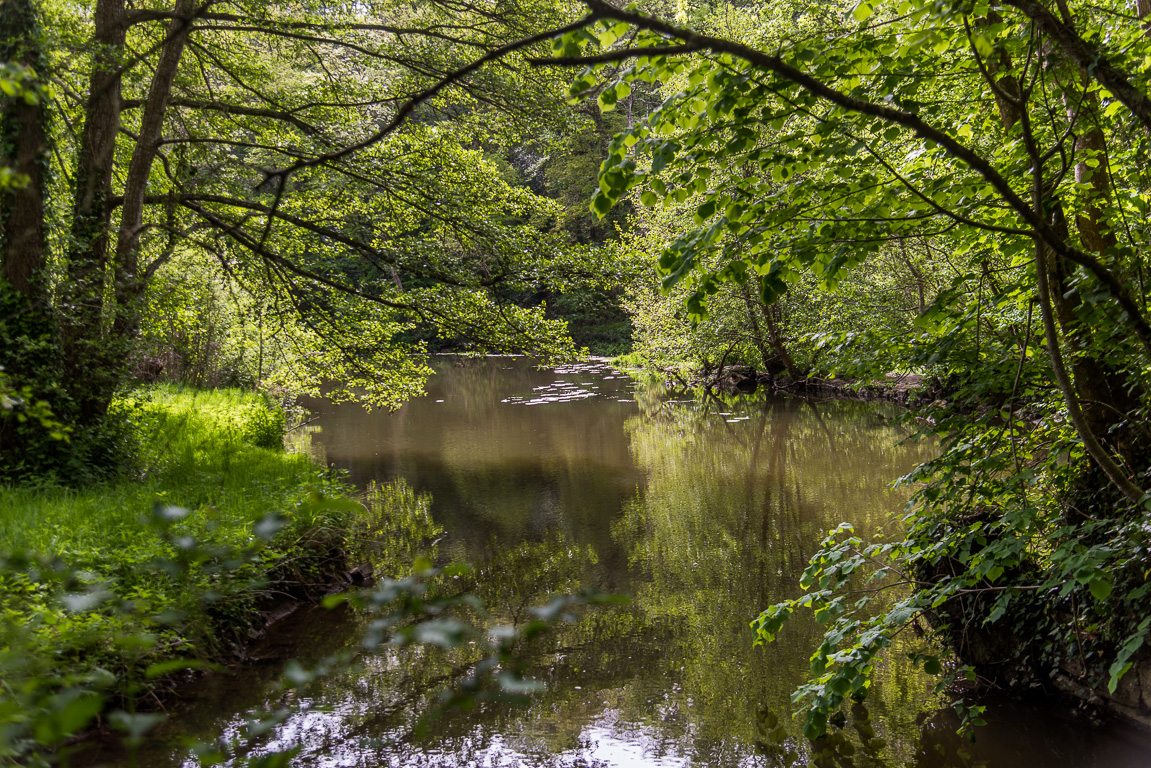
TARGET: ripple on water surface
(704,512)
(563,390)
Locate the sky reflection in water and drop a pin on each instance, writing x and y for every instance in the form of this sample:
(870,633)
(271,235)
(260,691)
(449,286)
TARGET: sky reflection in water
(704,512)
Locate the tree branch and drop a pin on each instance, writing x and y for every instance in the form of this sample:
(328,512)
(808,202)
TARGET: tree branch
(1089,57)
(431,92)
(233,109)
(921,128)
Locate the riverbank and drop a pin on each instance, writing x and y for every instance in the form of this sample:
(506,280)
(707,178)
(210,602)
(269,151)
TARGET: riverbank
(547,480)
(902,388)
(122,585)
(1072,683)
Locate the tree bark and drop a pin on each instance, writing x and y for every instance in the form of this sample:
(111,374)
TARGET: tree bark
(917,275)
(94,364)
(22,129)
(774,337)
(91,214)
(128,283)
(756,332)
(1048,266)
(1004,85)
(1104,392)
(1099,392)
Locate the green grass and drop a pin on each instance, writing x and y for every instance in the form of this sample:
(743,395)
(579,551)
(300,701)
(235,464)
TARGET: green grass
(148,583)
(198,449)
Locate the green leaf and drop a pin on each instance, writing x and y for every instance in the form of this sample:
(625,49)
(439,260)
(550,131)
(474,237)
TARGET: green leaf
(862,12)
(607,100)
(73,712)
(135,725)
(1116,673)
(601,204)
(1100,588)
(175,665)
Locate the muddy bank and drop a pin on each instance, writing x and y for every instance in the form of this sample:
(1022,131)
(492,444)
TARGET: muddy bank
(1132,696)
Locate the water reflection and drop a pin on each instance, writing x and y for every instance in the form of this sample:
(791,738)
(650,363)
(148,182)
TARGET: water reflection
(731,512)
(704,511)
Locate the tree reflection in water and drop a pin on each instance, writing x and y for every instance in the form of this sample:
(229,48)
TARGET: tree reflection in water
(704,510)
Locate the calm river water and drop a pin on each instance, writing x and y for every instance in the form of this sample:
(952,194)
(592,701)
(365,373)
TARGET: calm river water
(704,512)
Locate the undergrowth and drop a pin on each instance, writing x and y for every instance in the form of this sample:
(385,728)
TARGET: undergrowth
(213,492)
(109,591)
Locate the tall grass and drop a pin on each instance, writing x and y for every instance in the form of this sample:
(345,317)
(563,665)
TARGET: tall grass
(217,455)
(207,451)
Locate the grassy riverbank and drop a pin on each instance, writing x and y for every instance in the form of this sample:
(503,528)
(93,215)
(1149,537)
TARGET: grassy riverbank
(175,559)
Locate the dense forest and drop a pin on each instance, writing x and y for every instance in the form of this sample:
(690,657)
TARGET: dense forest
(295,198)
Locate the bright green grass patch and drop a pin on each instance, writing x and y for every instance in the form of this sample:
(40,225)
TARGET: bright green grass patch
(204,450)
(155,583)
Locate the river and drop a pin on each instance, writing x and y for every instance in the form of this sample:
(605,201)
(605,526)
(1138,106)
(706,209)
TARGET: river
(704,512)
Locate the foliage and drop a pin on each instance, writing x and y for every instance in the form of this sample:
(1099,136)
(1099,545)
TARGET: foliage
(219,453)
(271,197)
(955,189)
(569,177)
(39,438)
(78,640)
(41,709)
(124,591)
(596,320)
(1006,142)
(513,579)
(394,529)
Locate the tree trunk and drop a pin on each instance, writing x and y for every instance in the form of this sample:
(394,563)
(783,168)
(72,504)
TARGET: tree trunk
(22,129)
(770,315)
(127,278)
(1143,11)
(1102,393)
(1005,87)
(756,332)
(91,214)
(94,364)
(917,275)
(756,306)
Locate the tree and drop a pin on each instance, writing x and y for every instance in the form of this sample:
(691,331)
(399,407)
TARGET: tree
(993,204)
(305,148)
(1011,140)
